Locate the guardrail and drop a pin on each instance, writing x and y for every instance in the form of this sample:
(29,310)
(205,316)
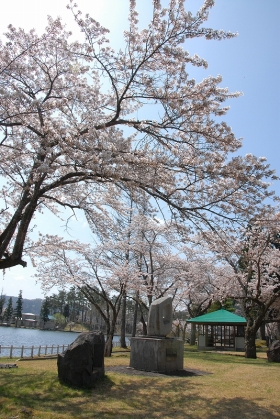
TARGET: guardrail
(22,351)
(41,350)
(31,351)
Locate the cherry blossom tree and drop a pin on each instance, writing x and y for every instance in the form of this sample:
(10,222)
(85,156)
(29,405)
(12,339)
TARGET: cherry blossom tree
(76,127)
(110,269)
(114,231)
(197,287)
(158,262)
(147,246)
(253,255)
(100,277)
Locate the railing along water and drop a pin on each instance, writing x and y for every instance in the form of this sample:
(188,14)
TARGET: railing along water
(31,351)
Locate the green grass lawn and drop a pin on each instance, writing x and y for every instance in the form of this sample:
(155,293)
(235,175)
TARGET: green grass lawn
(234,388)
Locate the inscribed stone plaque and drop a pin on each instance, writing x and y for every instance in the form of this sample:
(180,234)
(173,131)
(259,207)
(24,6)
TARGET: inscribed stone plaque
(160,317)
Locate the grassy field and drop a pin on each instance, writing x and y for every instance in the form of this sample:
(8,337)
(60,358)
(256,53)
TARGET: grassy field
(233,388)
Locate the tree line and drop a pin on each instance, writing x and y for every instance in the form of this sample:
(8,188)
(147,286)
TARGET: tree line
(10,313)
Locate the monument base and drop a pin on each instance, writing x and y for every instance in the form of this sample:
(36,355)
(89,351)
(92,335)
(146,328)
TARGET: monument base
(156,354)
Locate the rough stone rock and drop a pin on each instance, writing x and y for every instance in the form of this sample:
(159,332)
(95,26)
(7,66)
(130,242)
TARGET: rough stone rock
(82,364)
(273,353)
(160,317)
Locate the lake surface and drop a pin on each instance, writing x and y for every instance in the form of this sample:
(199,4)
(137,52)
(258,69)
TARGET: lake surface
(28,337)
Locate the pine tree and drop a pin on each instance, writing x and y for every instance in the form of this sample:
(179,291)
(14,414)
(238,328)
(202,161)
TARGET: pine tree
(66,311)
(18,309)
(9,311)
(2,303)
(45,310)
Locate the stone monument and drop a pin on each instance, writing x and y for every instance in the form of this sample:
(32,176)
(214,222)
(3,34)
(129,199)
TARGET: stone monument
(82,364)
(156,352)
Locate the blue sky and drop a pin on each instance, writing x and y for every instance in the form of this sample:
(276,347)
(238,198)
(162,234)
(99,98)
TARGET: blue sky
(249,63)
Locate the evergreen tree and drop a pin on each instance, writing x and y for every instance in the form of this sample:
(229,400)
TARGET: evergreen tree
(18,309)
(72,302)
(66,311)
(227,304)
(8,314)
(45,310)
(2,303)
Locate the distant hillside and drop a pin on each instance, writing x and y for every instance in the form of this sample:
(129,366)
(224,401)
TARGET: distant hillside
(28,306)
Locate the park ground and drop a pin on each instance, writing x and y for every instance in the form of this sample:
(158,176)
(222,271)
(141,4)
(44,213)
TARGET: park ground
(215,385)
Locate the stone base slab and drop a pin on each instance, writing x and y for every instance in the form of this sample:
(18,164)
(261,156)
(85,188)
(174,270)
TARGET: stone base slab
(156,354)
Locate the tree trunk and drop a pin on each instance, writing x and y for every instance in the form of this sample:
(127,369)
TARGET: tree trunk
(193,334)
(134,325)
(184,331)
(110,326)
(262,331)
(250,342)
(109,345)
(123,322)
(142,320)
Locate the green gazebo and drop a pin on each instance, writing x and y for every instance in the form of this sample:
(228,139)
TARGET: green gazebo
(220,330)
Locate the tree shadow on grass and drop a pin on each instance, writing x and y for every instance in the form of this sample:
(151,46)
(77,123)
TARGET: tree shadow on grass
(240,408)
(123,369)
(225,358)
(180,399)
(43,392)
(121,396)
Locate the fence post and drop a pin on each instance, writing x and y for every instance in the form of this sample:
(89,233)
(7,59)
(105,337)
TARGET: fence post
(55,349)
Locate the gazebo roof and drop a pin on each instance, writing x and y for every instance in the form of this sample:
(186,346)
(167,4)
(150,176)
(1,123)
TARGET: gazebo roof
(219,317)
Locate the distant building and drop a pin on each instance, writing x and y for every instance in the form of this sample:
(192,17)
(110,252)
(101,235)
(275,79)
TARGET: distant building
(34,321)
(30,320)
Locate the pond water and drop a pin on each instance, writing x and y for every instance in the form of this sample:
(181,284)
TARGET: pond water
(18,337)
(28,337)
